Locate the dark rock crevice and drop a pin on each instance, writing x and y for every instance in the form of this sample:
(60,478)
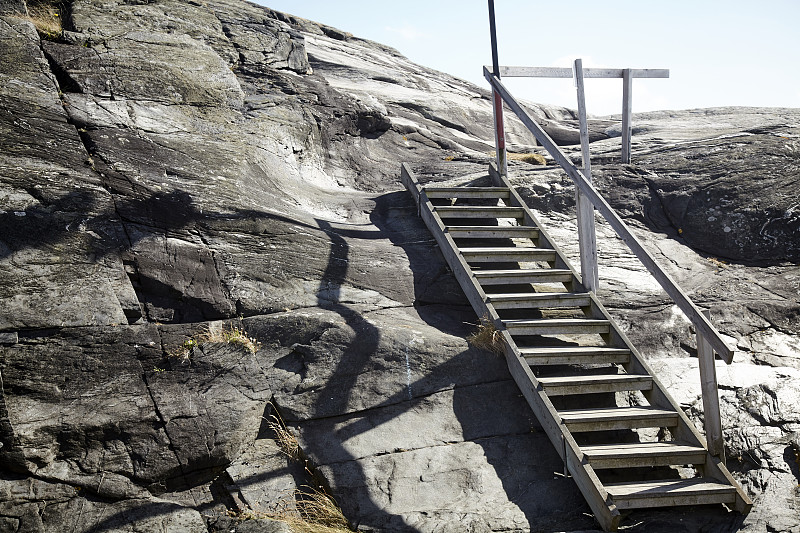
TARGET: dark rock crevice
(64,80)
(428,114)
(656,211)
(225,289)
(792,318)
(12,456)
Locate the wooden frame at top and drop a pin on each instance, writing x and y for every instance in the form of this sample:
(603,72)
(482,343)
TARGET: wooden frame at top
(627,75)
(566,72)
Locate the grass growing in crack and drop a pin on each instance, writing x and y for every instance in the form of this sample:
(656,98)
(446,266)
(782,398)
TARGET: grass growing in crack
(530,158)
(222,334)
(487,337)
(230,335)
(308,511)
(46,18)
(183,353)
(316,507)
(283,438)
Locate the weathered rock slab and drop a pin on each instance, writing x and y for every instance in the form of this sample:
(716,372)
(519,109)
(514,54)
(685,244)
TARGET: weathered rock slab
(383,358)
(426,489)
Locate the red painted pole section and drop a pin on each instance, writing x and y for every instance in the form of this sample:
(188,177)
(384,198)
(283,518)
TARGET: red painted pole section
(499,134)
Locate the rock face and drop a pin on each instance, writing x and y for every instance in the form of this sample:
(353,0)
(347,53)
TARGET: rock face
(169,166)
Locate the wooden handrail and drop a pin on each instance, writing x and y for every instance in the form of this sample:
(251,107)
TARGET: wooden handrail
(702,325)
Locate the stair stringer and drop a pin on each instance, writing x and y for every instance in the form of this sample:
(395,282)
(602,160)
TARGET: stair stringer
(582,472)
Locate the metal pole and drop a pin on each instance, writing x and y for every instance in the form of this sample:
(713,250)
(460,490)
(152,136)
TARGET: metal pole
(587,239)
(497,101)
(493,34)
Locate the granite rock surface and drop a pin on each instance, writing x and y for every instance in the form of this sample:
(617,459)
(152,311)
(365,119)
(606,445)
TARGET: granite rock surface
(170,169)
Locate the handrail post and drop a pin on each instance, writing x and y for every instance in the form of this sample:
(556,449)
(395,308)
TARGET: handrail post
(497,100)
(710,393)
(587,240)
(627,101)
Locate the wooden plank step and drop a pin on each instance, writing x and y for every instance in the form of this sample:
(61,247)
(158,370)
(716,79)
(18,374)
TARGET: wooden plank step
(467,192)
(669,493)
(560,386)
(525,300)
(610,418)
(513,277)
(574,355)
(506,254)
(469,211)
(642,454)
(547,326)
(493,232)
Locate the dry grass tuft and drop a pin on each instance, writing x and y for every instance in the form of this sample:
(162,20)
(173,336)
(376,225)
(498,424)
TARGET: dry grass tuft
(283,437)
(306,509)
(47,18)
(718,263)
(310,511)
(183,353)
(533,159)
(316,507)
(486,337)
(224,334)
(230,335)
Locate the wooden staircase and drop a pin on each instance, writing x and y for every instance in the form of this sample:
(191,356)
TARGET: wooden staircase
(560,342)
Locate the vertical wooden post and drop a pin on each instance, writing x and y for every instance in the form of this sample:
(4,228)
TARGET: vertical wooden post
(627,103)
(710,392)
(586,233)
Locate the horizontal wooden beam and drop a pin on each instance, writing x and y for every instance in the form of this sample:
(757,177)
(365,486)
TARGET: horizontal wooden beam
(700,322)
(561,72)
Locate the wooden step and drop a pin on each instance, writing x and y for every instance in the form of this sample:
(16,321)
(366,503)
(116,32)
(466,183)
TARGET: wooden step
(493,232)
(574,355)
(468,211)
(538,300)
(507,254)
(560,386)
(610,418)
(671,492)
(642,454)
(467,192)
(547,326)
(513,277)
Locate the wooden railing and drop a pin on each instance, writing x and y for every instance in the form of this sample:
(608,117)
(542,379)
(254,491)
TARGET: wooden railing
(627,75)
(709,339)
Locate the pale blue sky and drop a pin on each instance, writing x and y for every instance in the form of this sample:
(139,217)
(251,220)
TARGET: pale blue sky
(719,52)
